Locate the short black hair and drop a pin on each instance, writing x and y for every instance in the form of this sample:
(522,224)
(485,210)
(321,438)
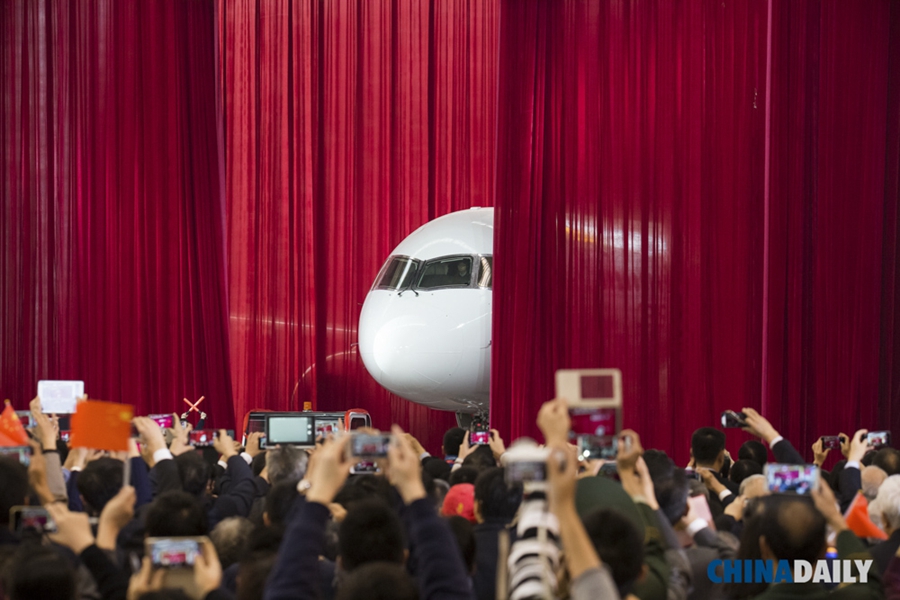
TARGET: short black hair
(39,572)
(481,458)
(14,490)
(743,469)
(379,580)
(437,468)
(670,484)
(793,528)
(618,543)
(194,472)
(868,458)
(259,463)
(278,502)
(888,460)
(706,444)
(754,450)
(370,532)
(175,514)
(453,439)
(497,499)
(464,533)
(463,475)
(99,482)
(367,486)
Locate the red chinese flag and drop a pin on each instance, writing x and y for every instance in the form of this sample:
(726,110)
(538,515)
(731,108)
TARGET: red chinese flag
(101,425)
(858,521)
(11,431)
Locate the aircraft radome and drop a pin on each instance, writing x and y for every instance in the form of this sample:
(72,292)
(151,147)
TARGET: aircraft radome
(425,326)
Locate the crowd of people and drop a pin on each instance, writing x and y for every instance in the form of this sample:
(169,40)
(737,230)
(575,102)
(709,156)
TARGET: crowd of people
(294,523)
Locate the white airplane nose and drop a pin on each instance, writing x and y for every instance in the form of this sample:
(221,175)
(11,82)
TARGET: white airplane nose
(423,352)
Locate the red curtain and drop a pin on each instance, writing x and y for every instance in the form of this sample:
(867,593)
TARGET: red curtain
(636,230)
(111,238)
(348,124)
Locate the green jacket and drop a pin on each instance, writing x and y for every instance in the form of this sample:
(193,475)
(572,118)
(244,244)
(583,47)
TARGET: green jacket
(849,547)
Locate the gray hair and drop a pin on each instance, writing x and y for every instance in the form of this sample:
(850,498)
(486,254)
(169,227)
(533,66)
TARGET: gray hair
(286,463)
(749,481)
(229,537)
(887,502)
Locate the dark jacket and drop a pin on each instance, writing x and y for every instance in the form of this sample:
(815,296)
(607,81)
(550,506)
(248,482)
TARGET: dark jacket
(487,549)
(885,551)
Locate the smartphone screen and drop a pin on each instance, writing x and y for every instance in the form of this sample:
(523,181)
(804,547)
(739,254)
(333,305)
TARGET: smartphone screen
(59,397)
(202,438)
(25,418)
(164,421)
(831,442)
(480,437)
(878,439)
(364,467)
(363,444)
(170,553)
(594,431)
(796,479)
(31,518)
(290,429)
(19,453)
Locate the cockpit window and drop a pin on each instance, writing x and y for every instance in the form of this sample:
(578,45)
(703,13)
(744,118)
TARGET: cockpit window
(486,272)
(454,271)
(398,273)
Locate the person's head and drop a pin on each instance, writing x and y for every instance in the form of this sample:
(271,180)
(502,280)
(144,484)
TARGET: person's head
(259,463)
(754,450)
(452,441)
(743,469)
(460,501)
(194,472)
(14,490)
(868,458)
(708,448)
(791,529)
(175,514)
(437,468)
(230,537)
(100,480)
(379,580)
(888,503)
(481,458)
(493,498)
(278,502)
(872,478)
(754,486)
(618,544)
(669,484)
(463,475)
(286,463)
(370,532)
(465,538)
(888,460)
(462,268)
(39,573)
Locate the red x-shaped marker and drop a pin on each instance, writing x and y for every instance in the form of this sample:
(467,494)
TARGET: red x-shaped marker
(195,404)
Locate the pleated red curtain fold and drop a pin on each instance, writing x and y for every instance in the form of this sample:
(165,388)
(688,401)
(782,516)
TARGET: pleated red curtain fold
(348,124)
(635,229)
(111,237)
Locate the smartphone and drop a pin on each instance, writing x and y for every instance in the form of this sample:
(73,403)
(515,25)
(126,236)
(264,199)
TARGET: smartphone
(364,467)
(594,431)
(25,418)
(369,446)
(59,397)
(792,479)
(256,422)
(701,508)
(526,471)
(831,442)
(590,387)
(692,474)
(174,552)
(20,453)
(733,420)
(878,439)
(295,429)
(164,421)
(479,431)
(30,518)
(203,438)
(326,428)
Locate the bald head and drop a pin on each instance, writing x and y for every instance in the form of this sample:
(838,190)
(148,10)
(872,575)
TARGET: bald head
(872,478)
(754,487)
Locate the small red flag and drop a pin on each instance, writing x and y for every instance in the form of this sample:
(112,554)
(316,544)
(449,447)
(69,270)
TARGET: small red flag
(101,425)
(11,431)
(858,520)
